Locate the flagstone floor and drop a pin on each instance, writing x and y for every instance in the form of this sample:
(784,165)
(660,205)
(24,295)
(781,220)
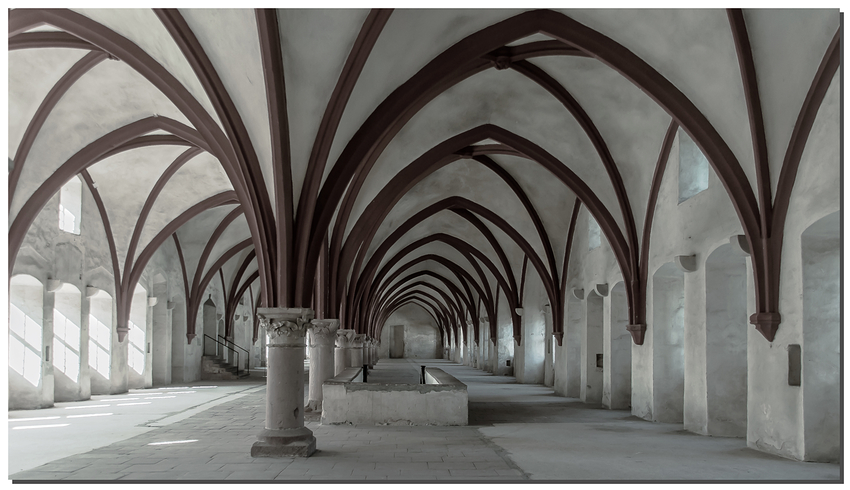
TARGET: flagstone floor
(516,432)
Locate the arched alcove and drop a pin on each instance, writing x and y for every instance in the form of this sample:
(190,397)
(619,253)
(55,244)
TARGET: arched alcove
(592,361)
(67,335)
(617,354)
(821,376)
(100,342)
(668,344)
(137,336)
(726,342)
(26,310)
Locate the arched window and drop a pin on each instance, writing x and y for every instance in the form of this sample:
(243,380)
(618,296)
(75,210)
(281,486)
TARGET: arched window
(70,206)
(693,168)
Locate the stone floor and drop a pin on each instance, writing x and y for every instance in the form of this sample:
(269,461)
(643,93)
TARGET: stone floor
(516,432)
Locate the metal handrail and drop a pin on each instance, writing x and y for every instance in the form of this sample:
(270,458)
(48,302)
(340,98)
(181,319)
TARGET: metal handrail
(226,347)
(247,354)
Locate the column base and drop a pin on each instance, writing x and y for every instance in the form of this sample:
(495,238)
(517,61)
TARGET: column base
(284,443)
(313,406)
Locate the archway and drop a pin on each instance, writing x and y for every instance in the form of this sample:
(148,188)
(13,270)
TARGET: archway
(668,344)
(821,377)
(726,342)
(67,334)
(617,353)
(26,310)
(592,361)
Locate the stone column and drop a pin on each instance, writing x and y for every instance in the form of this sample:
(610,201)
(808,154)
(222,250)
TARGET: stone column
(322,336)
(374,352)
(357,350)
(285,434)
(342,353)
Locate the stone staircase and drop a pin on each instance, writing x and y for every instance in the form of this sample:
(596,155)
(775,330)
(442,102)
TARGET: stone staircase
(215,368)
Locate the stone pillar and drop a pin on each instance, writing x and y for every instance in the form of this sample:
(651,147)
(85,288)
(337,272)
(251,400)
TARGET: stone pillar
(285,434)
(374,347)
(357,350)
(322,336)
(342,353)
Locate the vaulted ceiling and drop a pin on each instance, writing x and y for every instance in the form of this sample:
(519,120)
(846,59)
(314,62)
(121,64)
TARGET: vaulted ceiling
(386,157)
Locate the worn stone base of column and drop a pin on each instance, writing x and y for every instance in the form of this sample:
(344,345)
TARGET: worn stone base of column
(284,444)
(313,406)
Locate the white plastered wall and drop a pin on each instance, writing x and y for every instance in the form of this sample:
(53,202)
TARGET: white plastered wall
(531,354)
(775,420)
(84,260)
(504,348)
(422,338)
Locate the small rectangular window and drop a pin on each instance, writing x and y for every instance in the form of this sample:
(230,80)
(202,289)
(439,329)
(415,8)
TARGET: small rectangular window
(693,168)
(70,206)
(594,233)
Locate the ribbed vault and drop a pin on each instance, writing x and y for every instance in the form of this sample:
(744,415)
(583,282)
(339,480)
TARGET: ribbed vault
(358,161)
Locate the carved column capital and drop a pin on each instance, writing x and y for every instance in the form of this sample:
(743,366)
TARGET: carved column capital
(285,326)
(344,337)
(323,332)
(358,340)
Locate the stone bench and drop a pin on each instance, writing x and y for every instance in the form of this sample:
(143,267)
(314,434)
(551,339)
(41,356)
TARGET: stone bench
(443,400)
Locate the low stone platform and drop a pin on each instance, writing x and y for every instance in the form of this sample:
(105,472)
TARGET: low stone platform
(443,400)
